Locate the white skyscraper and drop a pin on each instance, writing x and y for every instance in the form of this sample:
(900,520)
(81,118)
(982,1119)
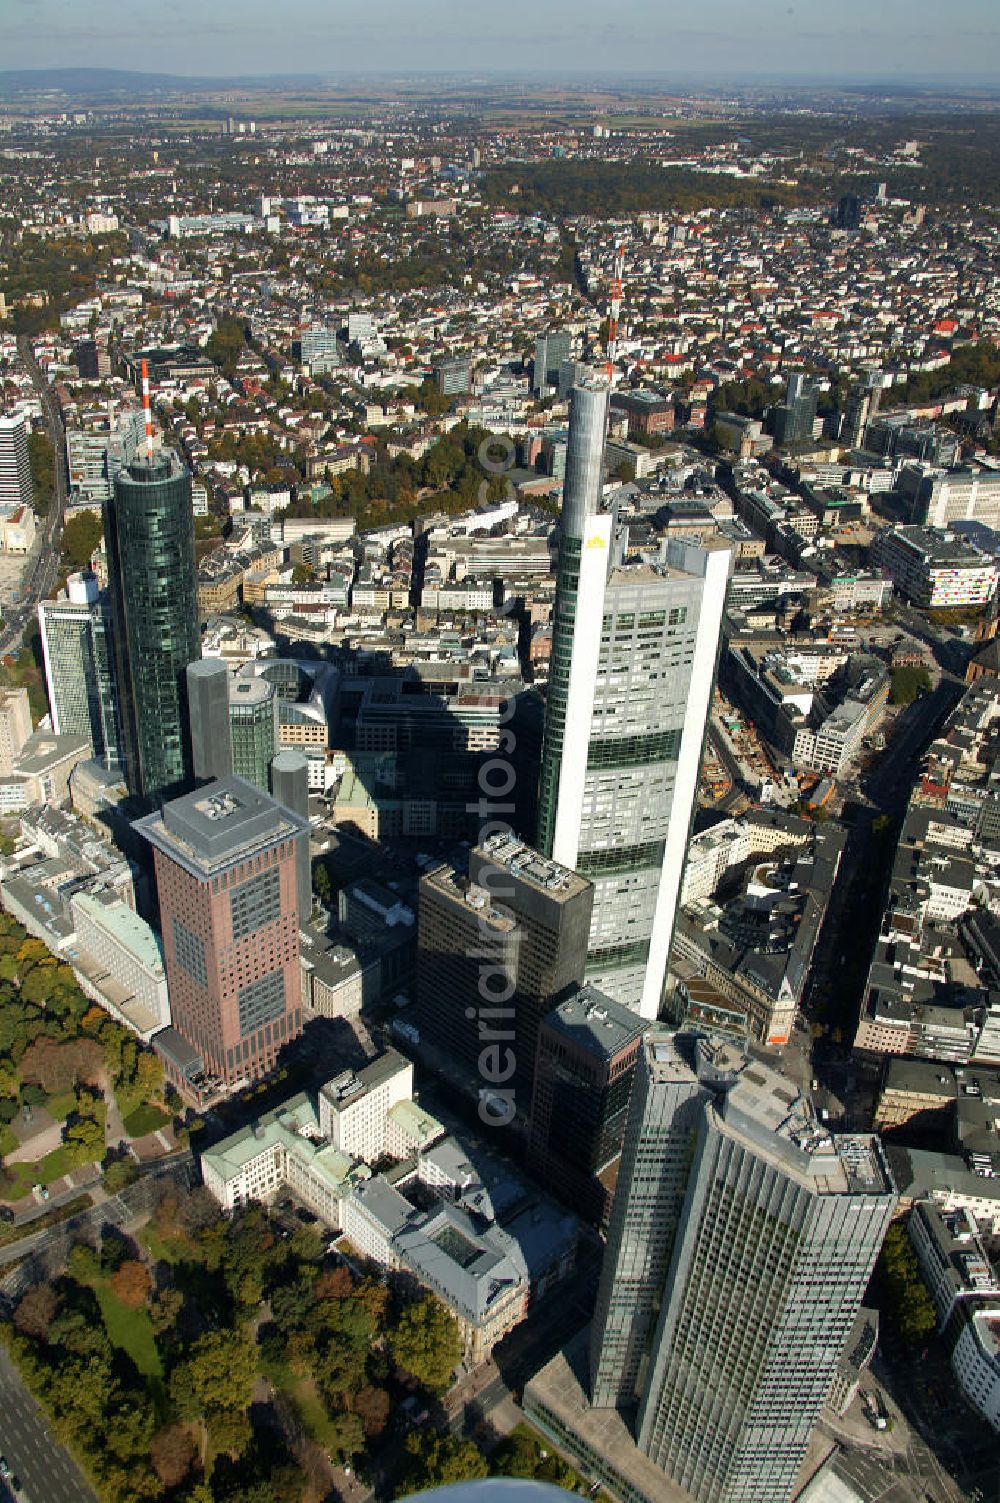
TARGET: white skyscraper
(634,650)
(15,466)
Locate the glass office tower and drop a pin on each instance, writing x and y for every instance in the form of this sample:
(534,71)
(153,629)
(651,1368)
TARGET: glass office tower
(79,666)
(634,649)
(742,1239)
(149,533)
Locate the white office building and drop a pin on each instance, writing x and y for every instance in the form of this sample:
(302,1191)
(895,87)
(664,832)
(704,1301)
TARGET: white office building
(634,650)
(15,466)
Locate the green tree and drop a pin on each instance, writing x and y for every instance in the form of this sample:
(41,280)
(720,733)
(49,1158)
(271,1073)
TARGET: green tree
(907,683)
(226,345)
(81,535)
(427,1343)
(228,1430)
(434,1460)
(42,471)
(218,1374)
(322,885)
(911,1305)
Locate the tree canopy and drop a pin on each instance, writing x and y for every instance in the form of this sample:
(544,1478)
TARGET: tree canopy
(427,1343)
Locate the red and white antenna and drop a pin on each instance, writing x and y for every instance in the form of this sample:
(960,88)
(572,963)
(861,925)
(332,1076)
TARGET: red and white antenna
(614,313)
(147,410)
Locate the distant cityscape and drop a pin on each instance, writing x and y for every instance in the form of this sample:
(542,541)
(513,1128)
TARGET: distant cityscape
(499,796)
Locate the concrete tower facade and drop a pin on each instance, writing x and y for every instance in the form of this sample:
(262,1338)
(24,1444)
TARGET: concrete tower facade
(290,786)
(15,465)
(208,715)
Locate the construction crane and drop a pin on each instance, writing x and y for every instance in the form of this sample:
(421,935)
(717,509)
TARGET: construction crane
(147,413)
(614,312)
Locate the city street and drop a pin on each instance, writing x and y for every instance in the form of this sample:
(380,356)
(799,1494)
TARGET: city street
(47,1472)
(42,565)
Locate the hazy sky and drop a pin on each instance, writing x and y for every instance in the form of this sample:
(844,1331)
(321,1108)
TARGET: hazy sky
(834,39)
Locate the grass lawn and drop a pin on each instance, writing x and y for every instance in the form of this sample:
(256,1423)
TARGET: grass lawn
(60,1106)
(8,1140)
(542,1443)
(144,1119)
(164,1249)
(302,1394)
(52,1167)
(130,1330)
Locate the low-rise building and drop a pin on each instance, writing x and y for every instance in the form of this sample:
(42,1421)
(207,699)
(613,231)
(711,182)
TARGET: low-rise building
(17,530)
(933,568)
(966,1295)
(754,952)
(118,960)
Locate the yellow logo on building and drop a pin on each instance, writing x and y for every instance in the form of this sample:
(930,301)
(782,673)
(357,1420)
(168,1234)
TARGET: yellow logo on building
(596,541)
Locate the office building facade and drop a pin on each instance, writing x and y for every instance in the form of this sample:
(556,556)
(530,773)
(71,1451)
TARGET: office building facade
(289,773)
(634,651)
(497,948)
(453,378)
(766,1228)
(208,718)
(78,657)
(253,728)
(663,1114)
(551,350)
(226,877)
(149,533)
(15,727)
(95,456)
(15,466)
(584,1065)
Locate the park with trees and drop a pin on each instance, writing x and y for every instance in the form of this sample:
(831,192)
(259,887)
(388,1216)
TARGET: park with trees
(209,1359)
(60,1055)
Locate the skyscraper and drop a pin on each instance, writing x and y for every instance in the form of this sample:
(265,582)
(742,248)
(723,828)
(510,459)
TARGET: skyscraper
(225,861)
(551,350)
(792,420)
(652,1180)
(766,1229)
(496,950)
(15,465)
(234,722)
(290,786)
(208,717)
(79,665)
(634,649)
(149,533)
(253,728)
(584,1065)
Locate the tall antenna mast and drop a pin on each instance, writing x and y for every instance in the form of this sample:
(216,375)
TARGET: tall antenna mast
(147,410)
(614,313)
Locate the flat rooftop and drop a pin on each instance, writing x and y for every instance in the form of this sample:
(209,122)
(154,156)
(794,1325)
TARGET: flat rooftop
(598,1441)
(765,1108)
(126,926)
(595,1023)
(528,865)
(226,821)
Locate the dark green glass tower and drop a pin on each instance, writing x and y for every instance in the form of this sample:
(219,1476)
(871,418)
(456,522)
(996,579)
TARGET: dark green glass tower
(149,532)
